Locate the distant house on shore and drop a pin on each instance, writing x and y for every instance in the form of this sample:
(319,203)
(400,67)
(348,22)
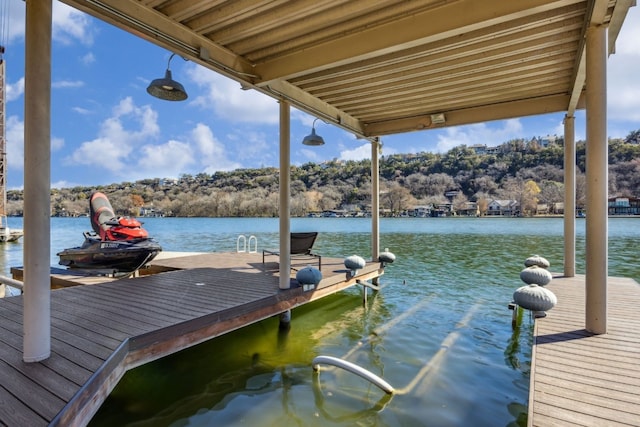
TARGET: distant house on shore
(482,149)
(550,208)
(624,206)
(546,141)
(147,211)
(422,211)
(479,148)
(468,209)
(502,208)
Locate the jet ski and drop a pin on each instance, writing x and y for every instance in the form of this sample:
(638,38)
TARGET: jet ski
(116,244)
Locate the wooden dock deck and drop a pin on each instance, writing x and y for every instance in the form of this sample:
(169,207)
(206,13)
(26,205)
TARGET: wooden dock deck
(100,331)
(580,379)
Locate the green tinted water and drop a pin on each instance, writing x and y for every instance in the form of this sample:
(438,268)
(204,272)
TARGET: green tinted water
(440,330)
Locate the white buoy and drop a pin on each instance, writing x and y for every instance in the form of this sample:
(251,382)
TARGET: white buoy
(536,275)
(537,260)
(309,277)
(535,298)
(354,263)
(386,257)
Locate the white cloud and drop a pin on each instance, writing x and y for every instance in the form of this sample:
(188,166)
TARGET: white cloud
(111,149)
(145,116)
(211,152)
(15,142)
(88,58)
(627,41)
(102,152)
(69,24)
(623,86)
(310,155)
(57,144)
(167,160)
(386,150)
(81,110)
(122,147)
(16,14)
(15,91)
(201,153)
(358,153)
(229,102)
(308,120)
(251,144)
(66,83)
(480,133)
(63,184)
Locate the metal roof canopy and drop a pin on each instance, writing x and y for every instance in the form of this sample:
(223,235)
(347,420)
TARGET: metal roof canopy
(384,67)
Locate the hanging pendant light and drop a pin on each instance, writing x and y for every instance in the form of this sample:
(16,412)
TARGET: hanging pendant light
(166,88)
(313,139)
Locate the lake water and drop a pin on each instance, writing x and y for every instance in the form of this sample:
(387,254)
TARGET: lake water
(440,331)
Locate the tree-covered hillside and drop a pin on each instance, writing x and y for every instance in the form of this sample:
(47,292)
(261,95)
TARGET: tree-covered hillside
(520,170)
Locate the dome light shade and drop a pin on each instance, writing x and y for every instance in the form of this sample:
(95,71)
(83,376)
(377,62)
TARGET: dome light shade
(313,138)
(166,88)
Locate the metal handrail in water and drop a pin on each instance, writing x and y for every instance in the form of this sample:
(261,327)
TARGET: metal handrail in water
(354,369)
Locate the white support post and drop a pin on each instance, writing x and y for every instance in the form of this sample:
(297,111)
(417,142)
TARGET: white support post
(37,182)
(569,197)
(375,200)
(597,181)
(285,196)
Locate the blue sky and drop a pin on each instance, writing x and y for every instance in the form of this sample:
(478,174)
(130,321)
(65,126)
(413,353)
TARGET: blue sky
(107,129)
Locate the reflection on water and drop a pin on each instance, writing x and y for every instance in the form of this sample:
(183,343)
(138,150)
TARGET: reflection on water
(441,329)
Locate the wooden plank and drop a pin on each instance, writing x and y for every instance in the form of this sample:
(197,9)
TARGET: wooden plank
(16,413)
(576,379)
(579,355)
(12,338)
(41,401)
(628,397)
(97,348)
(118,315)
(42,375)
(582,379)
(585,411)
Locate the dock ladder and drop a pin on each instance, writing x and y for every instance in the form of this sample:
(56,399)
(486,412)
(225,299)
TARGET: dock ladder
(246,244)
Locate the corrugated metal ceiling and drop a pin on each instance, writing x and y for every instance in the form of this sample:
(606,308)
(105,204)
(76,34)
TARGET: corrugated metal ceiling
(382,67)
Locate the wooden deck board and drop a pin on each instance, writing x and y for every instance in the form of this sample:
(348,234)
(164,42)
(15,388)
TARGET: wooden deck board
(16,413)
(65,349)
(581,379)
(116,316)
(12,338)
(98,331)
(38,397)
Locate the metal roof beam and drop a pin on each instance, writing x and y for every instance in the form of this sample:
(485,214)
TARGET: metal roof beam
(596,14)
(312,105)
(502,111)
(158,29)
(449,19)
